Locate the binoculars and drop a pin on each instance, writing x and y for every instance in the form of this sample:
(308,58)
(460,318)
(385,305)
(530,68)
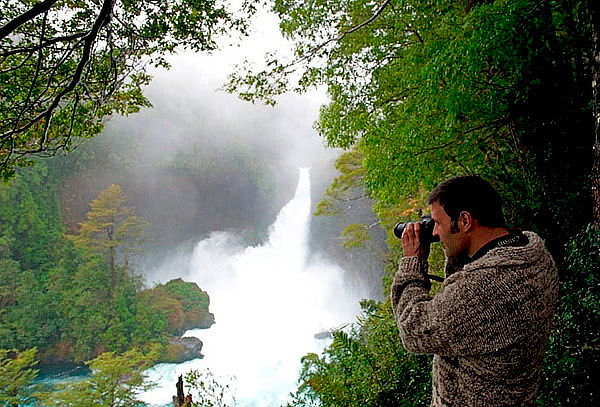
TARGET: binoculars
(426,235)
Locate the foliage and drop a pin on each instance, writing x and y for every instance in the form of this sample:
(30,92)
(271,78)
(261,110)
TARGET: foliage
(17,372)
(115,381)
(30,242)
(574,348)
(111,228)
(365,366)
(183,305)
(354,235)
(427,90)
(209,391)
(345,188)
(67,65)
(107,239)
(344,191)
(71,301)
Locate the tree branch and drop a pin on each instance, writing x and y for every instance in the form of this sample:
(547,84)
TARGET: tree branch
(36,74)
(15,68)
(66,38)
(340,37)
(39,99)
(35,11)
(89,40)
(455,139)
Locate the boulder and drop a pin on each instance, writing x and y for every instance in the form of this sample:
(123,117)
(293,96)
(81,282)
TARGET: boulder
(182,349)
(323,335)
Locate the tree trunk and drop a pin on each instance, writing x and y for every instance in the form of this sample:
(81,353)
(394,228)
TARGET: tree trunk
(595,25)
(180,400)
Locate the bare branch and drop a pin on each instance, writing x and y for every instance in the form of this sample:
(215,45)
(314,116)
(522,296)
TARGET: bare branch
(35,11)
(47,43)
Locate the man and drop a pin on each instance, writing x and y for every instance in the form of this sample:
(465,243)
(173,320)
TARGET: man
(488,325)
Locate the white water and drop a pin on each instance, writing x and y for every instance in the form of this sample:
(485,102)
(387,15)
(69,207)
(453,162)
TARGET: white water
(268,302)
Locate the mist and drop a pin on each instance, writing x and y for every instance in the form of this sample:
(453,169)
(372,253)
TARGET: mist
(270,300)
(201,160)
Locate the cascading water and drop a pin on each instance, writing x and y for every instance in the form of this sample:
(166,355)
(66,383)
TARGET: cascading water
(269,302)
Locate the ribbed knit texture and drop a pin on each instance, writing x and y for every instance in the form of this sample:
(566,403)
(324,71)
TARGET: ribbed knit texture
(487,326)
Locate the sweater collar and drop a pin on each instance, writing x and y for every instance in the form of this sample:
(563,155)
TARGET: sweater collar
(514,238)
(528,253)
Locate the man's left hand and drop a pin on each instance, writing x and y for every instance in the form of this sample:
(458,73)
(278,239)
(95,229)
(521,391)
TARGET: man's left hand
(411,242)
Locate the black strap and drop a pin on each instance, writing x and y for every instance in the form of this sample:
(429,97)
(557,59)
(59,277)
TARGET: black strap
(514,238)
(436,278)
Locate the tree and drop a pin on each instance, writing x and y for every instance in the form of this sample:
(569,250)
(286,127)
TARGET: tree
(430,91)
(208,390)
(66,65)
(365,366)
(595,61)
(115,381)
(111,231)
(30,243)
(17,372)
(345,189)
(574,347)
(108,239)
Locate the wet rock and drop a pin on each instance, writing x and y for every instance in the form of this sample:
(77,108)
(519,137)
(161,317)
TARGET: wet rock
(182,349)
(323,335)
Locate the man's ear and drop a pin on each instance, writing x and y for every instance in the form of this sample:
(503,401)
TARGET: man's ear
(465,221)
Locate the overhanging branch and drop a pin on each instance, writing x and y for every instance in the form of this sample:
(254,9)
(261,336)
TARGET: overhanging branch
(35,11)
(89,40)
(47,43)
(351,30)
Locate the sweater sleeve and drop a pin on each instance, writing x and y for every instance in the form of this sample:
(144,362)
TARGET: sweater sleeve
(473,313)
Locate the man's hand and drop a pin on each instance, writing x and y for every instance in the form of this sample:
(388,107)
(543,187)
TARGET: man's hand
(411,242)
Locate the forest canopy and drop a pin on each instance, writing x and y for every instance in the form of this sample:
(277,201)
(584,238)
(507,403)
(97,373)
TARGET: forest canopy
(65,66)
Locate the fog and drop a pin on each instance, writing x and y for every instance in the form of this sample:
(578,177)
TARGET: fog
(231,154)
(201,160)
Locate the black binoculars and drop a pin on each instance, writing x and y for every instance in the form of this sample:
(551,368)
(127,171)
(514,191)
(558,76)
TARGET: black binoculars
(426,223)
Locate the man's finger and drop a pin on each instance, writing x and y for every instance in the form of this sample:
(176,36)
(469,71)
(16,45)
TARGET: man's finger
(408,231)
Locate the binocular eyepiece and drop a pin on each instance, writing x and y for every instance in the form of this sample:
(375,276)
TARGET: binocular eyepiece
(426,235)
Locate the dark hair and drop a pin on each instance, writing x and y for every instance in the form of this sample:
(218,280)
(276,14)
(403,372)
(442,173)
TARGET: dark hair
(472,194)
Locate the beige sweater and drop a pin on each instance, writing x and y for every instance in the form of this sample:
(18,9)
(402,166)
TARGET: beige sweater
(487,326)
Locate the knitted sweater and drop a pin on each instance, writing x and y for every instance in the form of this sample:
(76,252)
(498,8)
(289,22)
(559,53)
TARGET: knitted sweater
(487,326)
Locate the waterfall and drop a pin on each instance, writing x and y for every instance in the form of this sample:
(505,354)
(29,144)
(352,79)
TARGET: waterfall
(269,301)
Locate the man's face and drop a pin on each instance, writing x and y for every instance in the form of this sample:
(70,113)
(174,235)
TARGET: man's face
(455,244)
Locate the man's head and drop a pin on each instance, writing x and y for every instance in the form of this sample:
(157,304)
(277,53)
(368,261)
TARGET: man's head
(461,207)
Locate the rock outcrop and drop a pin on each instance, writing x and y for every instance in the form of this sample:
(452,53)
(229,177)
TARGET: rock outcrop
(182,349)
(184,304)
